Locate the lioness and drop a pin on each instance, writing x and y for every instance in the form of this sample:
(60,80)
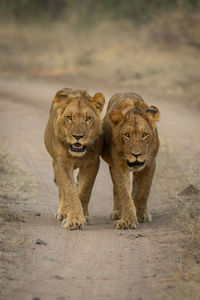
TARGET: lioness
(73,137)
(130,145)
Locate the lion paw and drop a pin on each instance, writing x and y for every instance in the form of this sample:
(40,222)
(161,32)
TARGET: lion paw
(74,223)
(126,223)
(143,215)
(115,215)
(60,215)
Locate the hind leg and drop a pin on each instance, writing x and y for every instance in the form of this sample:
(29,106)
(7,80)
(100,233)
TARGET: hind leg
(116,213)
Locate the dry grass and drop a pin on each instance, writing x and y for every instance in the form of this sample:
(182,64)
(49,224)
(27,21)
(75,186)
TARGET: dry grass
(15,187)
(188,222)
(163,53)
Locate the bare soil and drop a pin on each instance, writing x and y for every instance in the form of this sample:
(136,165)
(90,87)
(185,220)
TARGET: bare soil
(99,262)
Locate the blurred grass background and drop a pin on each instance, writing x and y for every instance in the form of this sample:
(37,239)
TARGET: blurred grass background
(91,10)
(134,44)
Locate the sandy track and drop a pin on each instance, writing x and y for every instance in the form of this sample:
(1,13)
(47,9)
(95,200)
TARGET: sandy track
(99,262)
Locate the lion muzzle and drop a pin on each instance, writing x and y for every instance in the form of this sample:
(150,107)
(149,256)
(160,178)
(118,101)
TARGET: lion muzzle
(135,163)
(77,147)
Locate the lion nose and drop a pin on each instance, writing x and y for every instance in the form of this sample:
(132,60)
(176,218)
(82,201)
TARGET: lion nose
(78,137)
(136,155)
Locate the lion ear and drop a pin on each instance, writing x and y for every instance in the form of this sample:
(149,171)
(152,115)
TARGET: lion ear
(115,117)
(61,96)
(98,101)
(153,113)
(60,100)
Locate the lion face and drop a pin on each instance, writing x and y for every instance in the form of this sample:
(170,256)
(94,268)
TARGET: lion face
(134,131)
(135,136)
(81,127)
(80,123)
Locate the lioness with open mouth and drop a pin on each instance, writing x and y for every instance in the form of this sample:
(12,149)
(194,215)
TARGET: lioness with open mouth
(73,137)
(130,146)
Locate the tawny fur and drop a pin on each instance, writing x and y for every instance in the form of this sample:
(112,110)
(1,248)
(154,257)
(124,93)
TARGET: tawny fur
(130,146)
(74,120)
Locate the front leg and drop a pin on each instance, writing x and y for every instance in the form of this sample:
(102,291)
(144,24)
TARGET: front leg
(141,189)
(69,204)
(86,178)
(61,215)
(121,182)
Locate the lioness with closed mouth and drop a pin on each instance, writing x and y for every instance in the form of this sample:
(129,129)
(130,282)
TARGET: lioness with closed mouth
(73,137)
(130,146)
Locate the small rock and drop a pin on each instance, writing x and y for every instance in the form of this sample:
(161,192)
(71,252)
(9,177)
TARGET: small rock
(51,259)
(40,242)
(189,191)
(197,260)
(37,214)
(58,277)
(139,235)
(36,298)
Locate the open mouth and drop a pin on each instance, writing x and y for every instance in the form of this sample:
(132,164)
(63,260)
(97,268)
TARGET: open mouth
(135,164)
(77,147)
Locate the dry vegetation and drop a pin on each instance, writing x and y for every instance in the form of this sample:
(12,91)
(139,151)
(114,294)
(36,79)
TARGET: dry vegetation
(15,188)
(189,222)
(163,53)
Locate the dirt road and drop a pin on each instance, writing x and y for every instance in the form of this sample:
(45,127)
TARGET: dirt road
(99,262)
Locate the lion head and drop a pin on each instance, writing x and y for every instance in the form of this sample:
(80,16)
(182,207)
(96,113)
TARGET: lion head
(78,122)
(134,132)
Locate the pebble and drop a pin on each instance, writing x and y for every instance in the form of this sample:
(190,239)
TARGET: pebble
(37,214)
(40,242)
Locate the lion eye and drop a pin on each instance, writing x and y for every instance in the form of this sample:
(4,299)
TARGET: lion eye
(69,118)
(144,135)
(127,135)
(88,119)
